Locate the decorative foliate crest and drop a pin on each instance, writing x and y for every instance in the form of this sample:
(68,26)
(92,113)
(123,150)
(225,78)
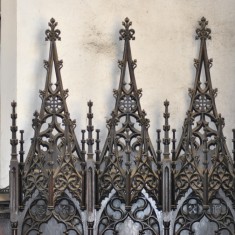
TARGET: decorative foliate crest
(52,34)
(203,32)
(127,33)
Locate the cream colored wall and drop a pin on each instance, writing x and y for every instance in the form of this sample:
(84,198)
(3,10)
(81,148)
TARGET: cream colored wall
(164,48)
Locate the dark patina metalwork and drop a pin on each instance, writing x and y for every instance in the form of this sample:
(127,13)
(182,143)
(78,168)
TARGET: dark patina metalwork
(55,162)
(128,162)
(203,162)
(126,186)
(142,214)
(54,169)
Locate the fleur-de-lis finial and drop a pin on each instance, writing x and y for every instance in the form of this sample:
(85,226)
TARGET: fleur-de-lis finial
(52,34)
(203,32)
(127,33)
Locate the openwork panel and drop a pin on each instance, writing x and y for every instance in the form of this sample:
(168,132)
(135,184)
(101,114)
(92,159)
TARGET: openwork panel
(128,162)
(141,219)
(64,219)
(193,218)
(188,190)
(54,154)
(203,162)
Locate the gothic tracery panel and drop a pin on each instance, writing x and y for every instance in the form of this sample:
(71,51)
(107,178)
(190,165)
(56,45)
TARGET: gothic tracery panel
(128,162)
(141,219)
(64,219)
(128,187)
(203,162)
(193,218)
(54,154)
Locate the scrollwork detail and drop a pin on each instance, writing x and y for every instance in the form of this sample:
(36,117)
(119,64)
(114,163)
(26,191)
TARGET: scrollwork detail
(52,34)
(127,33)
(192,212)
(128,157)
(65,212)
(142,218)
(203,32)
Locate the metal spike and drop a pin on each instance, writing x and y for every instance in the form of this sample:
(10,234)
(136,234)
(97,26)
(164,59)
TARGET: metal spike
(233,141)
(83,141)
(173,144)
(97,145)
(158,145)
(21,152)
(14,128)
(90,128)
(166,128)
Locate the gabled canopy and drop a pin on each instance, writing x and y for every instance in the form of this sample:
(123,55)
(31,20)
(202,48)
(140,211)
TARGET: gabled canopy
(128,162)
(54,160)
(203,161)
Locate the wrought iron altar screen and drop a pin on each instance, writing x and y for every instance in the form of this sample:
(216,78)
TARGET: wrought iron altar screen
(127,187)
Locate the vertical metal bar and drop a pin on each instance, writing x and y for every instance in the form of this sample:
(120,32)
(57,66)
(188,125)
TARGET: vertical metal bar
(128,173)
(90,128)
(14,226)
(233,141)
(159,164)
(97,204)
(173,145)
(166,128)
(83,204)
(173,170)
(50,187)
(158,145)
(205,170)
(21,170)
(83,173)
(90,226)
(166,225)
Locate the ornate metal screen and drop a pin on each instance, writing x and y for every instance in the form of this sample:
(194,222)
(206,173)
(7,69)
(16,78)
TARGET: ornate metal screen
(202,166)
(127,187)
(128,163)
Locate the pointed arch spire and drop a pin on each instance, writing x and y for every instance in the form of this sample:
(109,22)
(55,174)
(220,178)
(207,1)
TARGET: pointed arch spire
(53,96)
(128,162)
(203,127)
(54,158)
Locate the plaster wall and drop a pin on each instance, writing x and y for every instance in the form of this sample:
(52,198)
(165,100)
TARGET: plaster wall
(164,48)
